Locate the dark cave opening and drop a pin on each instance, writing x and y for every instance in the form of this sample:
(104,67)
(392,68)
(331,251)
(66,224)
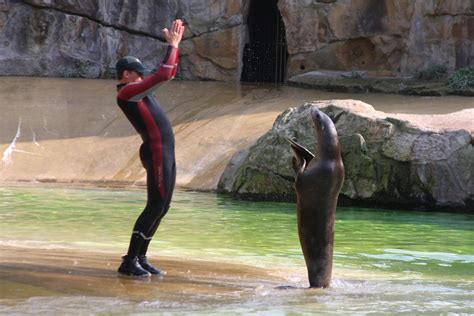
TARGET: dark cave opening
(265,56)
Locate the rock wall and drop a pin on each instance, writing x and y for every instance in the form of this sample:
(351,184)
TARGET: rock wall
(85,38)
(385,36)
(389,162)
(74,38)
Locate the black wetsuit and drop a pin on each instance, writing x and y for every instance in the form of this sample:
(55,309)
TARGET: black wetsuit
(156,152)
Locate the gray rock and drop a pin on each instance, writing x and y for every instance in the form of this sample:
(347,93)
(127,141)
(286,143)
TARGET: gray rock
(389,162)
(382,36)
(378,37)
(86,38)
(46,42)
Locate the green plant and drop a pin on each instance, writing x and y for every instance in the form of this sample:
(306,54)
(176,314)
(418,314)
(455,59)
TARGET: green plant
(179,76)
(355,75)
(433,72)
(462,79)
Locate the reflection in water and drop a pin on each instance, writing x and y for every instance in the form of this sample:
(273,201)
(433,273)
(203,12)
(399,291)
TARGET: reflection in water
(59,249)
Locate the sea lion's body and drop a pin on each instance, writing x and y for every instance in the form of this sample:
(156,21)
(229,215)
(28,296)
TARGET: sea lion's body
(318,183)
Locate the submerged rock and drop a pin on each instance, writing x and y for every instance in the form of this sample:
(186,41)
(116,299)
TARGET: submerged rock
(390,162)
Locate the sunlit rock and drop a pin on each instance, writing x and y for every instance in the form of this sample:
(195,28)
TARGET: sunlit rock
(389,161)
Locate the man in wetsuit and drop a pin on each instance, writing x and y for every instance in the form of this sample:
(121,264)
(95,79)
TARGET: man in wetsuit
(136,100)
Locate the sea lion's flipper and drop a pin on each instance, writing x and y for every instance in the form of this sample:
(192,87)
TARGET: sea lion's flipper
(301,155)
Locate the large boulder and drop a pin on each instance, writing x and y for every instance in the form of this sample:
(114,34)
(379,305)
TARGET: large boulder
(389,162)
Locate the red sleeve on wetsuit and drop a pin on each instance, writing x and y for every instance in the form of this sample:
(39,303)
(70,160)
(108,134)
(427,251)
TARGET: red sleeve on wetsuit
(167,70)
(175,65)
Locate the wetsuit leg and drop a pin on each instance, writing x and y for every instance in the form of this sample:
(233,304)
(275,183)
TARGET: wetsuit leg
(156,207)
(169,190)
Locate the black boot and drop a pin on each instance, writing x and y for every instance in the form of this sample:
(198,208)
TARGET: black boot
(143,261)
(130,266)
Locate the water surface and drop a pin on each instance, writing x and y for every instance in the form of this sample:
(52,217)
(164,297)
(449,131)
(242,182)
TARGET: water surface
(225,256)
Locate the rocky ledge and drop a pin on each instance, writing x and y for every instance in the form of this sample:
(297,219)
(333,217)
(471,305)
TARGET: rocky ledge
(364,82)
(423,162)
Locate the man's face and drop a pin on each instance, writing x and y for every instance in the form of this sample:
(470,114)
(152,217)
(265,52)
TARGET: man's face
(132,76)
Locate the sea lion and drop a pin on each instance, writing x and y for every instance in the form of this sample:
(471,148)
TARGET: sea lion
(318,183)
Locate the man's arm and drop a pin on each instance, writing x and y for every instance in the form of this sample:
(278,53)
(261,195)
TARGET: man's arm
(166,71)
(138,90)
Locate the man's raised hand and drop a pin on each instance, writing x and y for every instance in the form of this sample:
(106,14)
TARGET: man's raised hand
(174,36)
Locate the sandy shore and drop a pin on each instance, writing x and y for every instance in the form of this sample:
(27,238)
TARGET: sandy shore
(27,273)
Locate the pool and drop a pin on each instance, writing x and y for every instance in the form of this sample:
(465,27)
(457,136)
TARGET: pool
(60,249)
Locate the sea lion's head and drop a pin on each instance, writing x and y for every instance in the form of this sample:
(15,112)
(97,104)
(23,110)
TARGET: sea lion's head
(322,123)
(327,142)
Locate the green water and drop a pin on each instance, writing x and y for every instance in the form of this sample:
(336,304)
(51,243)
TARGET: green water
(386,261)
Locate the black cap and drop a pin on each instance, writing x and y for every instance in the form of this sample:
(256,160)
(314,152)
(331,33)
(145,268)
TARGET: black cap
(131,63)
